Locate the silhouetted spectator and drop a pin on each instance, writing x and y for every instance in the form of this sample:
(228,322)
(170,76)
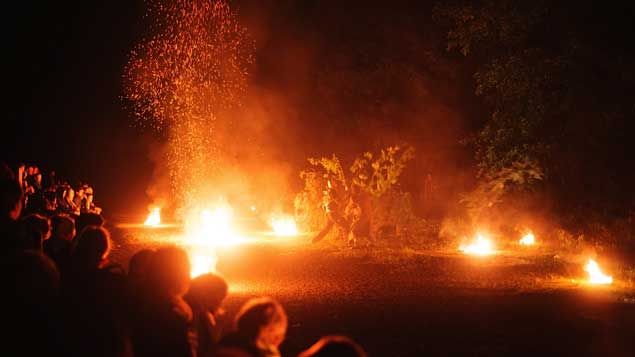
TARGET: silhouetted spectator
(10,210)
(58,247)
(31,297)
(205,297)
(260,328)
(94,293)
(138,280)
(334,346)
(164,327)
(139,266)
(88,219)
(34,229)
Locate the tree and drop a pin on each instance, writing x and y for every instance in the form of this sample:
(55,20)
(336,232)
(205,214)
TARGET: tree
(558,78)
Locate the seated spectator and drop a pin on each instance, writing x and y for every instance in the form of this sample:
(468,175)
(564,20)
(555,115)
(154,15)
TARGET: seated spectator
(205,297)
(58,247)
(80,198)
(89,205)
(163,329)
(10,210)
(334,346)
(69,202)
(34,229)
(260,327)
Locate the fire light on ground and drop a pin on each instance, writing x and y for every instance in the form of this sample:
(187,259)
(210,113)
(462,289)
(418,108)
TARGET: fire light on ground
(284,226)
(528,239)
(480,246)
(206,230)
(212,227)
(154,218)
(596,276)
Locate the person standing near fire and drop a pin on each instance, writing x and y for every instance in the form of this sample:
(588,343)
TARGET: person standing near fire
(341,211)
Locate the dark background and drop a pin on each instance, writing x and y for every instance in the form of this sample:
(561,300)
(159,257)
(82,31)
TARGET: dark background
(345,77)
(64,111)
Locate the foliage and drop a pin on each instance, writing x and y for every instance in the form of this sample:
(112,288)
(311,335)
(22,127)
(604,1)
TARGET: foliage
(372,175)
(376,174)
(492,189)
(309,211)
(559,94)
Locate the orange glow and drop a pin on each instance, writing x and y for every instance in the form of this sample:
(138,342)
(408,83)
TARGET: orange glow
(212,227)
(596,276)
(202,263)
(528,239)
(154,218)
(205,230)
(480,246)
(284,226)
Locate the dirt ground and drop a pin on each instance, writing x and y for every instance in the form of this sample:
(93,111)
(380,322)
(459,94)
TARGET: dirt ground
(423,303)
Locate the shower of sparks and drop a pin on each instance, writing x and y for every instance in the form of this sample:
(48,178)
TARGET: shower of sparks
(192,66)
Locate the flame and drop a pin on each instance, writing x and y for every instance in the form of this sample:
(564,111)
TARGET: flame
(154,218)
(528,239)
(596,276)
(212,227)
(481,246)
(205,230)
(284,226)
(202,263)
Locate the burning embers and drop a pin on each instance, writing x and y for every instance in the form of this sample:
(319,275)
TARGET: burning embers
(481,246)
(596,276)
(154,218)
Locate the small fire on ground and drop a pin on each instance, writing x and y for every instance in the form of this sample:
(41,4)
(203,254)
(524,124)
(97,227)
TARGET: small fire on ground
(481,246)
(528,239)
(154,218)
(596,276)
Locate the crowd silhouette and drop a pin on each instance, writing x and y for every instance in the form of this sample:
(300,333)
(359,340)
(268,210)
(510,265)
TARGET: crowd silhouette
(66,298)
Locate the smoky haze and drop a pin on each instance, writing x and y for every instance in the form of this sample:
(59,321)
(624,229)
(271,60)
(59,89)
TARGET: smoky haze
(340,79)
(329,78)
